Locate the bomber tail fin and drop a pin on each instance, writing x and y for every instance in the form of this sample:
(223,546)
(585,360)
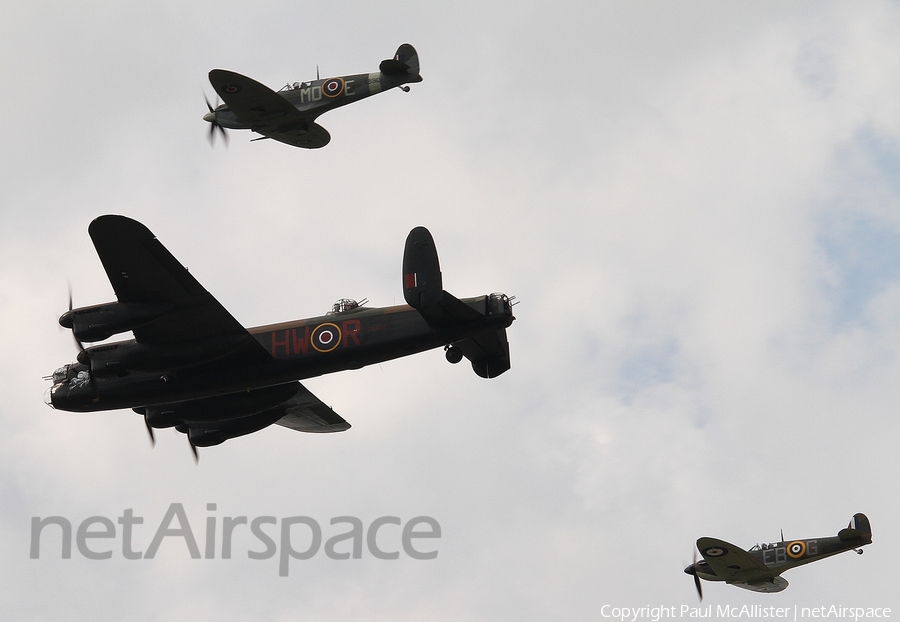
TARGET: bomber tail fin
(405,62)
(422,283)
(487,349)
(858,529)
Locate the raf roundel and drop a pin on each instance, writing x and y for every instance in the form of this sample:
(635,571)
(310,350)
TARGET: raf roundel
(325,337)
(715,551)
(333,87)
(796,549)
(232,88)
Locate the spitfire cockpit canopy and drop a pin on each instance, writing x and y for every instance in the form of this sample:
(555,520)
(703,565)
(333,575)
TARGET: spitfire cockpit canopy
(345,305)
(764,546)
(290,86)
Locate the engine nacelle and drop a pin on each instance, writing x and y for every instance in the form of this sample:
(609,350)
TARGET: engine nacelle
(120,358)
(159,417)
(207,434)
(232,406)
(100,322)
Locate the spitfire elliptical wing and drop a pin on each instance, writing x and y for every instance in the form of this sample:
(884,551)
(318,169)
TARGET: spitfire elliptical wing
(267,112)
(731,562)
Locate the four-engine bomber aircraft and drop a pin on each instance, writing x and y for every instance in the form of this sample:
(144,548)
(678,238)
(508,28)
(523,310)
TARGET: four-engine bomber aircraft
(192,366)
(289,115)
(759,569)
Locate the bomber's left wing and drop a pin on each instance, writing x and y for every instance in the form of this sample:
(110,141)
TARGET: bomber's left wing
(267,112)
(306,413)
(732,563)
(141,270)
(213,420)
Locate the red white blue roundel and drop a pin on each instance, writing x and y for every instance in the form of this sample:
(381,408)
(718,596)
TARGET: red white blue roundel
(333,87)
(325,337)
(232,88)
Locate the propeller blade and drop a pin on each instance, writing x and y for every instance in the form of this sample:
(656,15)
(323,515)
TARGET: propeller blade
(150,431)
(697,579)
(77,342)
(84,356)
(82,353)
(224,135)
(213,124)
(193,449)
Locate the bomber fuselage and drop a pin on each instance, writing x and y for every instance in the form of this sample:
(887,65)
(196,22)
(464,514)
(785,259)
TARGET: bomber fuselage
(117,376)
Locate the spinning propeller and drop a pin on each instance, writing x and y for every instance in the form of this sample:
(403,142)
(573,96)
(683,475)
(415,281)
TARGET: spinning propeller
(210,117)
(149,430)
(692,569)
(84,356)
(194,450)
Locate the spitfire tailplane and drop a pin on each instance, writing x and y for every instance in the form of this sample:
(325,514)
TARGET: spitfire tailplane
(858,529)
(405,62)
(423,290)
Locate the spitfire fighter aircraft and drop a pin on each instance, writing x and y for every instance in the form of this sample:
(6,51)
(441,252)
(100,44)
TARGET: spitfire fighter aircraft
(759,569)
(192,366)
(289,115)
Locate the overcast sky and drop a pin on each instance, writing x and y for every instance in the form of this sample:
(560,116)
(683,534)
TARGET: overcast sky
(697,204)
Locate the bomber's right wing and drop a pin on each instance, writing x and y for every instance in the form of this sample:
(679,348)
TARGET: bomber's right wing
(732,563)
(142,271)
(267,112)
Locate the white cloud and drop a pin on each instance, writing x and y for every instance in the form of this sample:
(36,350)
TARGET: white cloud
(695,203)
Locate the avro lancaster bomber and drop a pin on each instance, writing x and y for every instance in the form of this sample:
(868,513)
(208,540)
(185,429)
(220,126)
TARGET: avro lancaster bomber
(192,366)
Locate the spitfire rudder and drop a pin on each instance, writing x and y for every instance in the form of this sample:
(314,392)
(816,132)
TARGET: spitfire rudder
(859,528)
(405,61)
